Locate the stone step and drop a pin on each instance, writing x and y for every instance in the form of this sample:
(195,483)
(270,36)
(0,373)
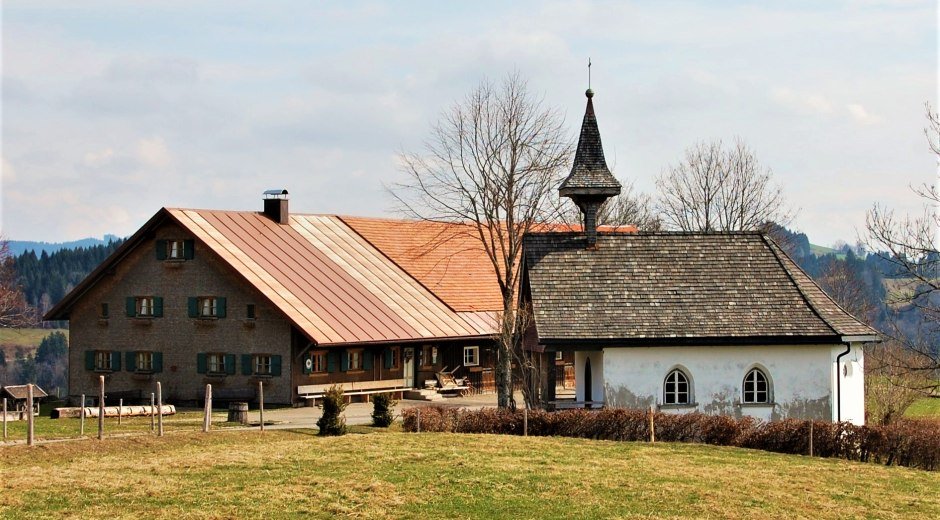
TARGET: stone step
(423,395)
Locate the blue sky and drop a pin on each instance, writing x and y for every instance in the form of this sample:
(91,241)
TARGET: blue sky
(113,109)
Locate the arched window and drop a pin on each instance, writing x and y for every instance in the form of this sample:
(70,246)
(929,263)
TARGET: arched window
(756,388)
(676,389)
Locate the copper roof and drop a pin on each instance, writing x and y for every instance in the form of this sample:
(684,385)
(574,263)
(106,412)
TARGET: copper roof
(328,280)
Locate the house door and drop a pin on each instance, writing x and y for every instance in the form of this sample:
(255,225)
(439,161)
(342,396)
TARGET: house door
(587,380)
(408,366)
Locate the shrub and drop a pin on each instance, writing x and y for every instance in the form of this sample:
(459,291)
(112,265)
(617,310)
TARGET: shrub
(913,443)
(332,421)
(383,410)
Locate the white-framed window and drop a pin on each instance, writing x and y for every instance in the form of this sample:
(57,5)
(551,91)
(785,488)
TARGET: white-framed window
(215,363)
(354,359)
(559,356)
(262,364)
(756,388)
(103,360)
(471,356)
(144,306)
(208,307)
(175,250)
(143,361)
(676,389)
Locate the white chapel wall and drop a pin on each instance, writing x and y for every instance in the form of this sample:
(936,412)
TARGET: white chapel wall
(802,379)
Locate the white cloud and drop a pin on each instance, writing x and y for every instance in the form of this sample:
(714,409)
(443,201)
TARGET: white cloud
(861,115)
(807,103)
(153,152)
(95,159)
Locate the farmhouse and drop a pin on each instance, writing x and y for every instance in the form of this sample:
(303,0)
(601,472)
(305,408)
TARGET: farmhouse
(299,302)
(713,322)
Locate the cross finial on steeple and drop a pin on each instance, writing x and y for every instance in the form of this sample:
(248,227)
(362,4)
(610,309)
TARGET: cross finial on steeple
(589,93)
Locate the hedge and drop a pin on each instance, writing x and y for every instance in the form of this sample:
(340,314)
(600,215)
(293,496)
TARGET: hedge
(911,443)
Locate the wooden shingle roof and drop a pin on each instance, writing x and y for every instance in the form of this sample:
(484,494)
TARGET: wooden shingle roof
(680,288)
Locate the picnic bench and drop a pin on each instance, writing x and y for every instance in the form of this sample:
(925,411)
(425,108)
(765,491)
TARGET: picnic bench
(314,392)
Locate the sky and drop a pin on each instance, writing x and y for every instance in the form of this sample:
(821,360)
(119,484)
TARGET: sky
(113,109)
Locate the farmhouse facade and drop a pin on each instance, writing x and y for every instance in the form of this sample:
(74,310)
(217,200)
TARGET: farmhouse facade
(299,302)
(711,322)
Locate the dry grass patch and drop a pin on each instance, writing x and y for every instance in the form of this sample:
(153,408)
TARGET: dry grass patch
(397,475)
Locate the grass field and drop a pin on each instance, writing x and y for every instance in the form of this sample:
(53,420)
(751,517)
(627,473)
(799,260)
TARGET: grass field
(395,475)
(927,407)
(26,337)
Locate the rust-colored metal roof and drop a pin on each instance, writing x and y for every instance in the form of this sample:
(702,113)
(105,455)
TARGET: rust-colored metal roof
(333,284)
(445,258)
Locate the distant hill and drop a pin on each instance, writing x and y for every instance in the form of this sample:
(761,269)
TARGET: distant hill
(18,247)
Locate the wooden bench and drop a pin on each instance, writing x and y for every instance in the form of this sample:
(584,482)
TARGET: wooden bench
(354,388)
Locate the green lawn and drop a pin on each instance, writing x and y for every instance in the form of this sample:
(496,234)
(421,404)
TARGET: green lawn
(26,337)
(294,474)
(927,407)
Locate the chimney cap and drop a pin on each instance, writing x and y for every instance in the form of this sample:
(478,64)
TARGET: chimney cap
(275,194)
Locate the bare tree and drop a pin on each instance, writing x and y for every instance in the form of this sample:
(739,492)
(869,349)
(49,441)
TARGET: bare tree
(720,189)
(891,386)
(910,245)
(847,288)
(493,162)
(14,311)
(630,208)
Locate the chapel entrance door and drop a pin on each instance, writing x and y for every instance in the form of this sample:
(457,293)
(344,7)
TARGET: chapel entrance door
(587,382)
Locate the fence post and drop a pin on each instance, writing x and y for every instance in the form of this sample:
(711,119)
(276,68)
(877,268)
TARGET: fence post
(261,403)
(152,411)
(81,424)
(525,422)
(207,420)
(101,408)
(29,414)
(811,438)
(4,419)
(159,407)
(652,425)
(418,419)
(120,411)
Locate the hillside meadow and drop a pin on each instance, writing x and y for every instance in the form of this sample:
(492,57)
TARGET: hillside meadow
(373,474)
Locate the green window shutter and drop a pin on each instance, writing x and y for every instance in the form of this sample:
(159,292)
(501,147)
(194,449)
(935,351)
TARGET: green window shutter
(158,361)
(161,249)
(130,306)
(193,304)
(343,361)
(201,363)
(116,361)
(388,358)
(89,360)
(220,307)
(307,369)
(130,360)
(247,369)
(230,364)
(158,306)
(332,359)
(189,249)
(275,365)
(367,360)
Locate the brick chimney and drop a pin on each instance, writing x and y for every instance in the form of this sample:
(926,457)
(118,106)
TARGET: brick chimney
(275,206)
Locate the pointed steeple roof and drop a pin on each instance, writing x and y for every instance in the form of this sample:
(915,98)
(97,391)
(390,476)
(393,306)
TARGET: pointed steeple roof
(589,174)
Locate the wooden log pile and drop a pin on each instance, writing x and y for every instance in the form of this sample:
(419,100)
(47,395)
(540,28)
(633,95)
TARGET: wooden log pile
(112,411)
